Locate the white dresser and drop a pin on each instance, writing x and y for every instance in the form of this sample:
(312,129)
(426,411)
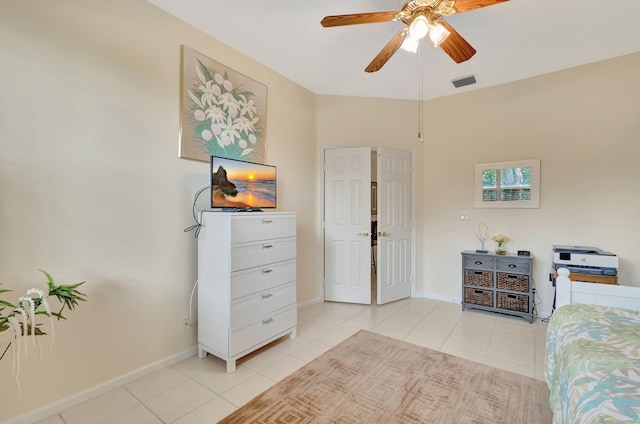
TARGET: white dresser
(246,282)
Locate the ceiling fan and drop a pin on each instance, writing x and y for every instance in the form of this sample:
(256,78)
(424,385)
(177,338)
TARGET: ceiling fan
(422,18)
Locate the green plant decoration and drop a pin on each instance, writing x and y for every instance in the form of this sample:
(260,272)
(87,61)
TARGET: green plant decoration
(20,322)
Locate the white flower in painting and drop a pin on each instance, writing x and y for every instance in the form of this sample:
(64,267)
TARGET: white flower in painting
(206,135)
(215,128)
(219,78)
(252,139)
(216,114)
(224,141)
(244,125)
(199,115)
(229,103)
(228,85)
(229,130)
(247,106)
(242,144)
(210,92)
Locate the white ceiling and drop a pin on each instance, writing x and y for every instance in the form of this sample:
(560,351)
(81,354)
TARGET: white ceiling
(515,40)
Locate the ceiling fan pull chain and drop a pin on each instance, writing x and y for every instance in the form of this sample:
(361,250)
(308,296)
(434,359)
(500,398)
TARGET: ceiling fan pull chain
(420,94)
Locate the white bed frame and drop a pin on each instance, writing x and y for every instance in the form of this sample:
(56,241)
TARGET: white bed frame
(568,291)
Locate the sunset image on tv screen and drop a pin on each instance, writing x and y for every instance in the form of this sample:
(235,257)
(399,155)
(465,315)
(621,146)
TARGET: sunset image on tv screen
(238,184)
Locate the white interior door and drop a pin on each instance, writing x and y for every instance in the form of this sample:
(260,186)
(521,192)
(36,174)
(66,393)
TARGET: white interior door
(394,172)
(347,215)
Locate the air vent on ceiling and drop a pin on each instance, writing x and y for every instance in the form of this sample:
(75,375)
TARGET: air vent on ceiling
(461,82)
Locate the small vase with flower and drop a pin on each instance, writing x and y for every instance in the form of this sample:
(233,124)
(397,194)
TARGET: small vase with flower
(500,239)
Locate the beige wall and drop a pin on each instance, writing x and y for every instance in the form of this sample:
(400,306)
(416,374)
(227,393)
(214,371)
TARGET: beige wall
(91,187)
(584,126)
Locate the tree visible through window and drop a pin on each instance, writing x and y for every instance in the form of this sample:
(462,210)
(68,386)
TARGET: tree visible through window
(506,184)
(514,184)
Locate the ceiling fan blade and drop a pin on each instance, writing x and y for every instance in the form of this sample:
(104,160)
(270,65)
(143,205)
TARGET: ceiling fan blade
(387,51)
(456,46)
(466,5)
(357,18)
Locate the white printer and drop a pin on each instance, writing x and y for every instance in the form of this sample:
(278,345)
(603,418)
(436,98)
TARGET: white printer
(585,260)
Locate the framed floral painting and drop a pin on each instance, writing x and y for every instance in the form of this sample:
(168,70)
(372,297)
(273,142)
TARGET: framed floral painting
(223,113)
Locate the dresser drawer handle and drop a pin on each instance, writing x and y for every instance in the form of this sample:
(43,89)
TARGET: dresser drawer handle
(478,262)
(267,271)
(267,296)
(267,246)
(478,272)
(267,321)
(511,296)
(513,266)
(512,276)
(267,221)
(478,291)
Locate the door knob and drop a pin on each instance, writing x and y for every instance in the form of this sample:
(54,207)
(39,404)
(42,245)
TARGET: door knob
(365,233)
(383,234)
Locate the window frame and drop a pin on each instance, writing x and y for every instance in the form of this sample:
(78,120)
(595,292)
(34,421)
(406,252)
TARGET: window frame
(534,202)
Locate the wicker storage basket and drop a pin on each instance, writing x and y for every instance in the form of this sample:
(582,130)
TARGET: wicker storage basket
(478,296)
(513,302)
(473,277)
(515,282)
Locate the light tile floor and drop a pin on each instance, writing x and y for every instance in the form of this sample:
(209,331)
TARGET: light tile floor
(198,391)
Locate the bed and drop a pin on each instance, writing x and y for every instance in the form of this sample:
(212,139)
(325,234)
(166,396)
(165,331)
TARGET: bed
(592,364)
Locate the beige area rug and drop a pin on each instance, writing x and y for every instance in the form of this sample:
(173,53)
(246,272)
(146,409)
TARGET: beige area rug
(370,378)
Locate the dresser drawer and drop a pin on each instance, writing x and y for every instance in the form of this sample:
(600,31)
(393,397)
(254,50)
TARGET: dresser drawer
(478,296)
(515,282)
(262,227)
(250,255)
(253,280)
(478,262)
(473,277)
(263,329)
(513,265)
(252,307)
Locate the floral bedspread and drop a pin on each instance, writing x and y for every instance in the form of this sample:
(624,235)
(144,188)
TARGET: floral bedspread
(592,365)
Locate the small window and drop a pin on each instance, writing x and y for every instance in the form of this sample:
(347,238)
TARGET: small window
(508,184)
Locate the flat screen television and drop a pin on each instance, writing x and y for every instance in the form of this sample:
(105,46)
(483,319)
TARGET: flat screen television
(242,185)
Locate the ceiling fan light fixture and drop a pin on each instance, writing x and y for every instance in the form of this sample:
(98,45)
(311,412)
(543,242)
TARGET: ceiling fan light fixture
(438,33)
(410,44)
(419,27)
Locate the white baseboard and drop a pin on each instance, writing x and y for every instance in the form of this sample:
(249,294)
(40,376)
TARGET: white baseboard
(309,303)
(73,400)
(438,297)
(543,314)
